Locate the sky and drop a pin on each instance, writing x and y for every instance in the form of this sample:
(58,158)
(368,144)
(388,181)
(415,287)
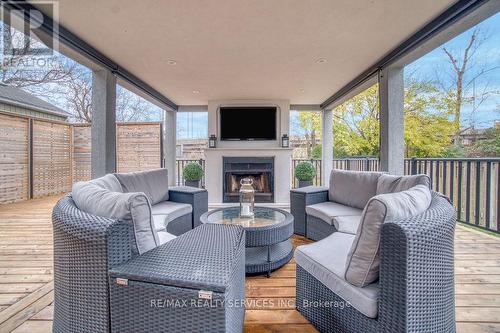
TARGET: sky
(435,66)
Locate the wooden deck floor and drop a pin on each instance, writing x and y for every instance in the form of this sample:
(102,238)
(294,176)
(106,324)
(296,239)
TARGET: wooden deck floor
(26,288)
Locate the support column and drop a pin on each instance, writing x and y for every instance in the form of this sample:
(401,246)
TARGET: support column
(103,129)
(169,143)
(391,98)
(327,146)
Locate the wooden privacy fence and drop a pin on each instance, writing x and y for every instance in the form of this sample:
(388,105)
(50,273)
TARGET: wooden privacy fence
(44,157)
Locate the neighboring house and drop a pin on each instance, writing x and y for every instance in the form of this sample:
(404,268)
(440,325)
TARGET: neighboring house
(469,136)
(17,101)
(191,148)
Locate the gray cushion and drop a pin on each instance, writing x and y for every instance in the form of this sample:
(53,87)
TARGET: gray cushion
(353,188)
(153,183)
(164,236)
(392,184)
(109,182)
(326,261)
(167,211)
(328,211)
(93,198)
(363,264)
(347,224)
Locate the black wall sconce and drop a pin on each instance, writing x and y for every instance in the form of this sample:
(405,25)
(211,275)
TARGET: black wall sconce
(285,141)
(212,141)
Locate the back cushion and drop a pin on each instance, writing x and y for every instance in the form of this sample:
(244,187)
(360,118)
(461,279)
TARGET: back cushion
(392,184)
(353,188)
(363,261)
(108,182)
(95,198)
(153,183)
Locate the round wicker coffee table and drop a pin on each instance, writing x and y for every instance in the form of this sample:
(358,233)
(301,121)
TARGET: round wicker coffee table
(268,246)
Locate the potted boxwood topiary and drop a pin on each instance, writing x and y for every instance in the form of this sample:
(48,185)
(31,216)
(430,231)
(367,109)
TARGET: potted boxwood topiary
(305,172)
(192,173)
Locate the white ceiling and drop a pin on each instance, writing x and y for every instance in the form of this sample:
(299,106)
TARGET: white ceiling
(246,49)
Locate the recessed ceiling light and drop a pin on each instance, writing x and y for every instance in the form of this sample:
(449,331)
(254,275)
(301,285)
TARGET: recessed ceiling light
(196,91)
(302,90)
(321,60)
(171,62)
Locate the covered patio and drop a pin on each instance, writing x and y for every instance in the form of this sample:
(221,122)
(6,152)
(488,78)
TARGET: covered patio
(26,287)
(188,56)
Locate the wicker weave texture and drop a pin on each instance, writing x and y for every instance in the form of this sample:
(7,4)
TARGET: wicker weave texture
(317,229)
(180,225)
(173,274)
(416,279)
(197,198)
(298,202)
(84,247)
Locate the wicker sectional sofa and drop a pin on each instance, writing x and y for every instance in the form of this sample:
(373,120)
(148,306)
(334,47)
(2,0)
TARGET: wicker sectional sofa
(383,260)
(121,266)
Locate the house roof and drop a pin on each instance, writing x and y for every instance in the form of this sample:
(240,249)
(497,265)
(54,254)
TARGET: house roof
(193,51)
(16,96)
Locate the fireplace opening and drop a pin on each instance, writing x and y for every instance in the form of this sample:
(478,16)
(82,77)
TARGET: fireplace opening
(259,169)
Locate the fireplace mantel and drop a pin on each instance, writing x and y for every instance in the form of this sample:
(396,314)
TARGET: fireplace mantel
(214,170)
(250,148)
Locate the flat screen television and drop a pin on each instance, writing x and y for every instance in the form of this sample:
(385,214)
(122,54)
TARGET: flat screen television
(247,123)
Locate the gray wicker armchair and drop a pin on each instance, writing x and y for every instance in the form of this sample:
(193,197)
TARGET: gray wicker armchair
(102,284)
(384,259)
(416,280)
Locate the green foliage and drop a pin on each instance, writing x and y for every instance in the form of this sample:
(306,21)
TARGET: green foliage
(310,121)
(488,147)
(305,171)
(192,172)
(428,128)
(316,152)
(356,125)
(454,151)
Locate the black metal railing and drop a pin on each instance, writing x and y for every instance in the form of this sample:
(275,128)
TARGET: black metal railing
(472,184)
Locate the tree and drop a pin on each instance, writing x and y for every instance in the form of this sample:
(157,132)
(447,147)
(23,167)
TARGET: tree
(356,125)
(310,122)
(463,73)
(428,129)
(65,83)
(488,147)
(15,71)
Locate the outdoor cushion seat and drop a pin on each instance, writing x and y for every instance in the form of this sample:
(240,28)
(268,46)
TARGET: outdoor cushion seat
(165,236)
(326,261)
(329,211)
(393,184)
(364,257)
(347,224)
(167,211)
(352,188)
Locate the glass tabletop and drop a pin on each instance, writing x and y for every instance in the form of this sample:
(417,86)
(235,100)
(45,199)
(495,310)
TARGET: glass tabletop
(263,216)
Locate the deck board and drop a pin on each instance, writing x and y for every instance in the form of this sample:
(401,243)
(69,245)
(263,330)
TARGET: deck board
(26,291)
